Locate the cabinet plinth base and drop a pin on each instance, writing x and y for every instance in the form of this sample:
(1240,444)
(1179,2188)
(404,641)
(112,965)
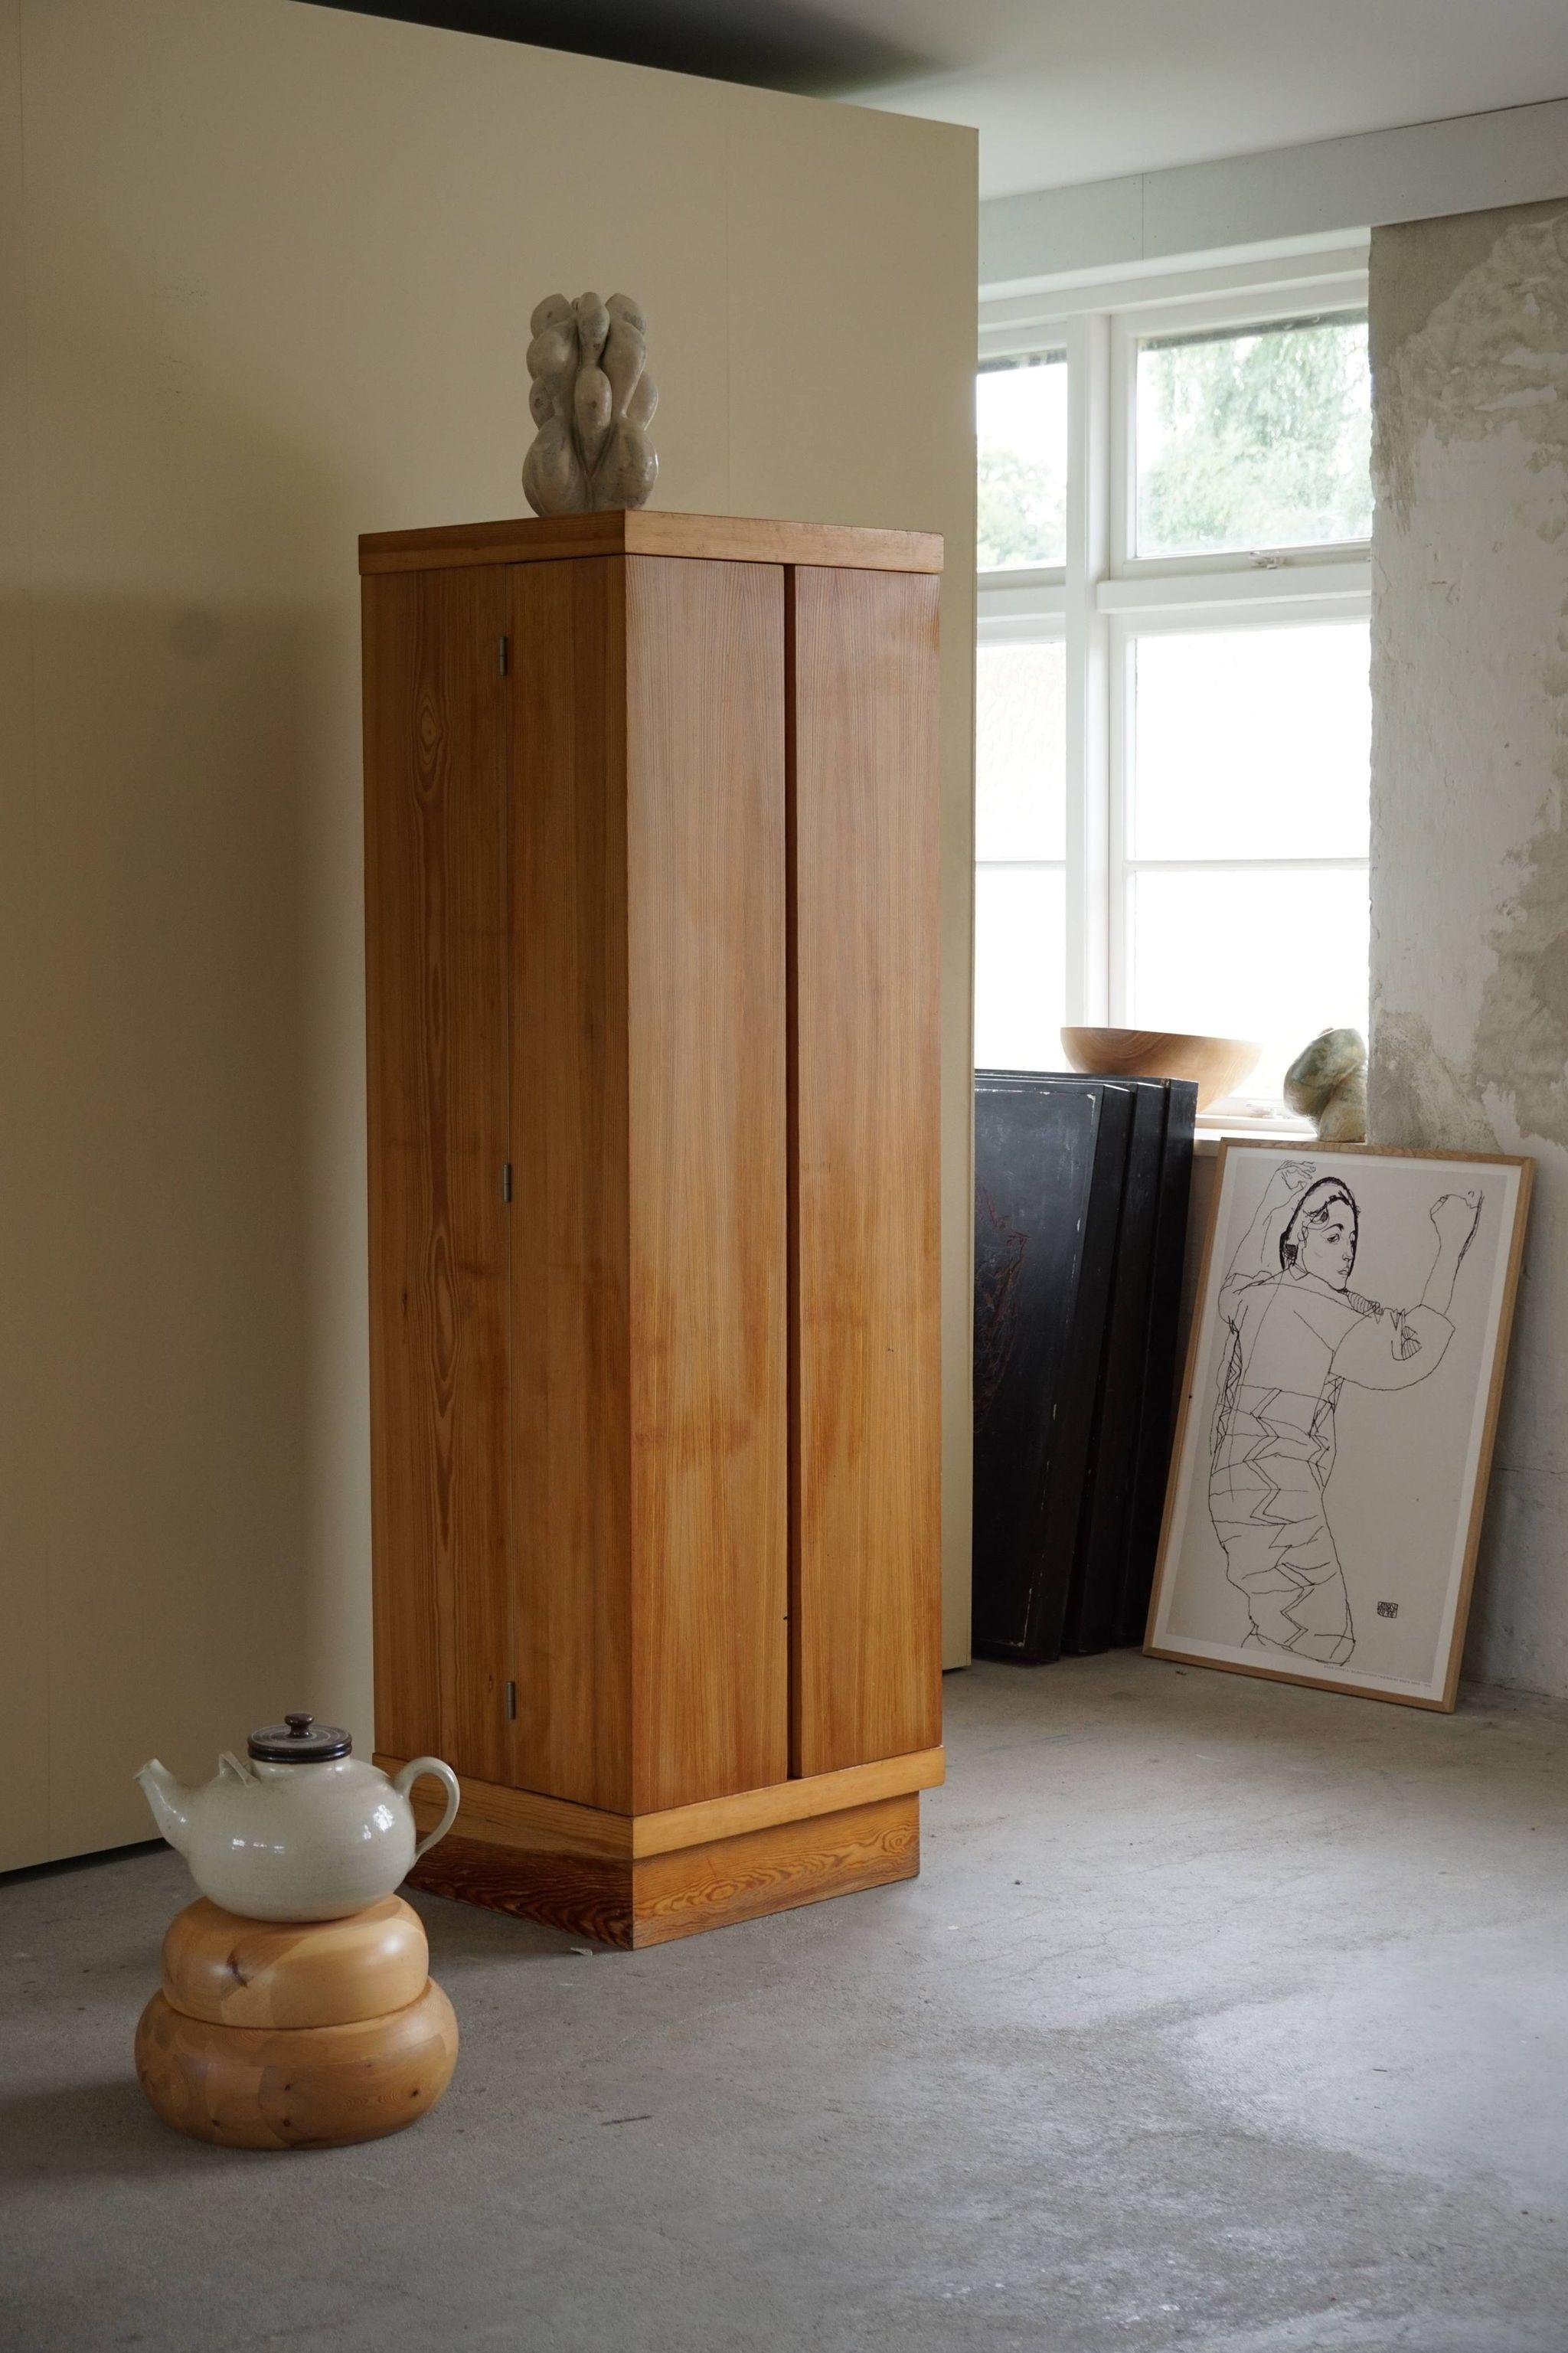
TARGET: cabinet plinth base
(588,1895)
(639,1879)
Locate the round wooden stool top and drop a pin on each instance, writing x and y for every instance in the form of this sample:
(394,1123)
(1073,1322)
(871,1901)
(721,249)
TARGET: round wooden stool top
(283,1973)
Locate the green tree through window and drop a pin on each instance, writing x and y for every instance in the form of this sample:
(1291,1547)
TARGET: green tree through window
(1254,440)
(1021,510)
(1021,419)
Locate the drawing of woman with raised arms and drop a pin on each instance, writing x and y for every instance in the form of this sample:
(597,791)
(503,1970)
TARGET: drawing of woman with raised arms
(1295,1333)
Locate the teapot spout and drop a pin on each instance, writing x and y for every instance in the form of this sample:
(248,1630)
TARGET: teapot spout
(171,1804)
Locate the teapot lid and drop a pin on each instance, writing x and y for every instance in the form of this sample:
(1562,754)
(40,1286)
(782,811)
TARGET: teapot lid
(299,1740)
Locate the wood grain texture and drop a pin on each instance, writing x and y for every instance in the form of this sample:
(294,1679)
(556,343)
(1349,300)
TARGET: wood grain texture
(236,1972)
(656,928)
(647,1297)
(787,1801)
(436,919)
(1217,1066)
(527,539)
(495,1815)
(303,2087)
(773,1870)
(705,868)
(866,1505)
(569,1438)
(585,1895)
(652,1899)
(492,1811)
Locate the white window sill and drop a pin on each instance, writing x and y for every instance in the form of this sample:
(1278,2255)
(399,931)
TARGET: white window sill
(1212,1133)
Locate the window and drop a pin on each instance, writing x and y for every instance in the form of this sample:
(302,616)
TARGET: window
(1021,446)
(1252,439)
(1020,850)
(1172,704)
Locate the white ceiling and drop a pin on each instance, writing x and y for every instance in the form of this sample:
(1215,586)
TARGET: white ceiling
(1064,90)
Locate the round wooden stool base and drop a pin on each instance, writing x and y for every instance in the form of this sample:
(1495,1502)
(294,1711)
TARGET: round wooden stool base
(296,2034)
(297,2087)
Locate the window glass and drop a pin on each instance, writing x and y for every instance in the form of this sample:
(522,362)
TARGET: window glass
(1254,438)
(1255,951)
(1250,743)
(1021,432)
(1020,751)
(1020,967)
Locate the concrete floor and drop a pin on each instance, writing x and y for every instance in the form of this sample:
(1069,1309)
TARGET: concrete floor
(1224,2016)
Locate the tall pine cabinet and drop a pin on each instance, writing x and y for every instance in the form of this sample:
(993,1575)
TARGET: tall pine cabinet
(651,906)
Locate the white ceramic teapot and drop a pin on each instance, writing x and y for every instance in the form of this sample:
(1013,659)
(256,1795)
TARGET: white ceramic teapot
(302,1830)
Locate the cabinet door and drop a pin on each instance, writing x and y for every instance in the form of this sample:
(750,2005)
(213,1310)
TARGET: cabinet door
(648,1291)
(865,1539)
(436,923)
(570,1450)
(709,1187)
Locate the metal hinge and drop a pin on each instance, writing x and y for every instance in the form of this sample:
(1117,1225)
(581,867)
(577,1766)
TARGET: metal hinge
(501,656)
(511,1702)
(506,1180)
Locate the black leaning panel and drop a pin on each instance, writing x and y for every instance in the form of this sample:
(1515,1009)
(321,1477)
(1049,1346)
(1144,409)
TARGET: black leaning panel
(1051,1162)
(1158,1399)
(1105,1523)
(1080,1226)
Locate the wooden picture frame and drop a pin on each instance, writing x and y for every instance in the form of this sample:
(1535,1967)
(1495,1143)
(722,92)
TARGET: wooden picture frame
(1263,1563)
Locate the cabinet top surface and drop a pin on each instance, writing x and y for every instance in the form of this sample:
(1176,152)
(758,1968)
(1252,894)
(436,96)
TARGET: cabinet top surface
(531,539)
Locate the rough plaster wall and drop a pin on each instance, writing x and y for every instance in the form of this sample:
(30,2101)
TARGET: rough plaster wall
(1470,948)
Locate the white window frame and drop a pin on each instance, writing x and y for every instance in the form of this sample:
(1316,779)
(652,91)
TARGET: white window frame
(1105,596)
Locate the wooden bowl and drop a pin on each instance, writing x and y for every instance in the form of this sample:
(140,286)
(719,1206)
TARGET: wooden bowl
(1218,1064)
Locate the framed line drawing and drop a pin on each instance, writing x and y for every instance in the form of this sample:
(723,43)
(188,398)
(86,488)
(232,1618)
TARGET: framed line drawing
(1338,1410)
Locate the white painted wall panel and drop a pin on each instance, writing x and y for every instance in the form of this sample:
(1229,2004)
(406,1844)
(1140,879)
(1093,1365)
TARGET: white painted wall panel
(273,265)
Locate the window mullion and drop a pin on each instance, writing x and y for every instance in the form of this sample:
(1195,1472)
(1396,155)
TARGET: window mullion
(1016,865)
(1086,635)
(1119,868)
(1240,865)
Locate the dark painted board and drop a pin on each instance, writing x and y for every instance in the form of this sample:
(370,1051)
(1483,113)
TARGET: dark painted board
(1050,1166)
(1126,1375)
(1102,1237)
(1155,1419)
(1105,1522)
(1033,1164)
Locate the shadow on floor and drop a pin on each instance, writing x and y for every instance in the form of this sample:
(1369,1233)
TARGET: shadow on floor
(70,1862)
(464,1935)
(78,2131)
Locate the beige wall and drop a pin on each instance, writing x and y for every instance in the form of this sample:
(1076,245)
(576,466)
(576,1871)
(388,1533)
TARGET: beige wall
(1470,894)
(265,286)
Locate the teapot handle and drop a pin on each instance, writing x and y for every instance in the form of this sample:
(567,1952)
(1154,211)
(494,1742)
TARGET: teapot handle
(403,1780)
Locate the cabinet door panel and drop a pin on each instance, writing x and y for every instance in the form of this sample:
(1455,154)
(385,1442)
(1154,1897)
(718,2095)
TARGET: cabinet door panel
(865,1598)
(435,983)
(571,1445)
(706,878)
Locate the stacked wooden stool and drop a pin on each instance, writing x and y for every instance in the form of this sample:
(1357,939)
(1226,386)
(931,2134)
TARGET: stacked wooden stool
(296,2034)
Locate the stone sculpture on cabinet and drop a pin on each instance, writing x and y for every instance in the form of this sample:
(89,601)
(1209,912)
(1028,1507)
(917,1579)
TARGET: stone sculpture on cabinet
(593,401)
